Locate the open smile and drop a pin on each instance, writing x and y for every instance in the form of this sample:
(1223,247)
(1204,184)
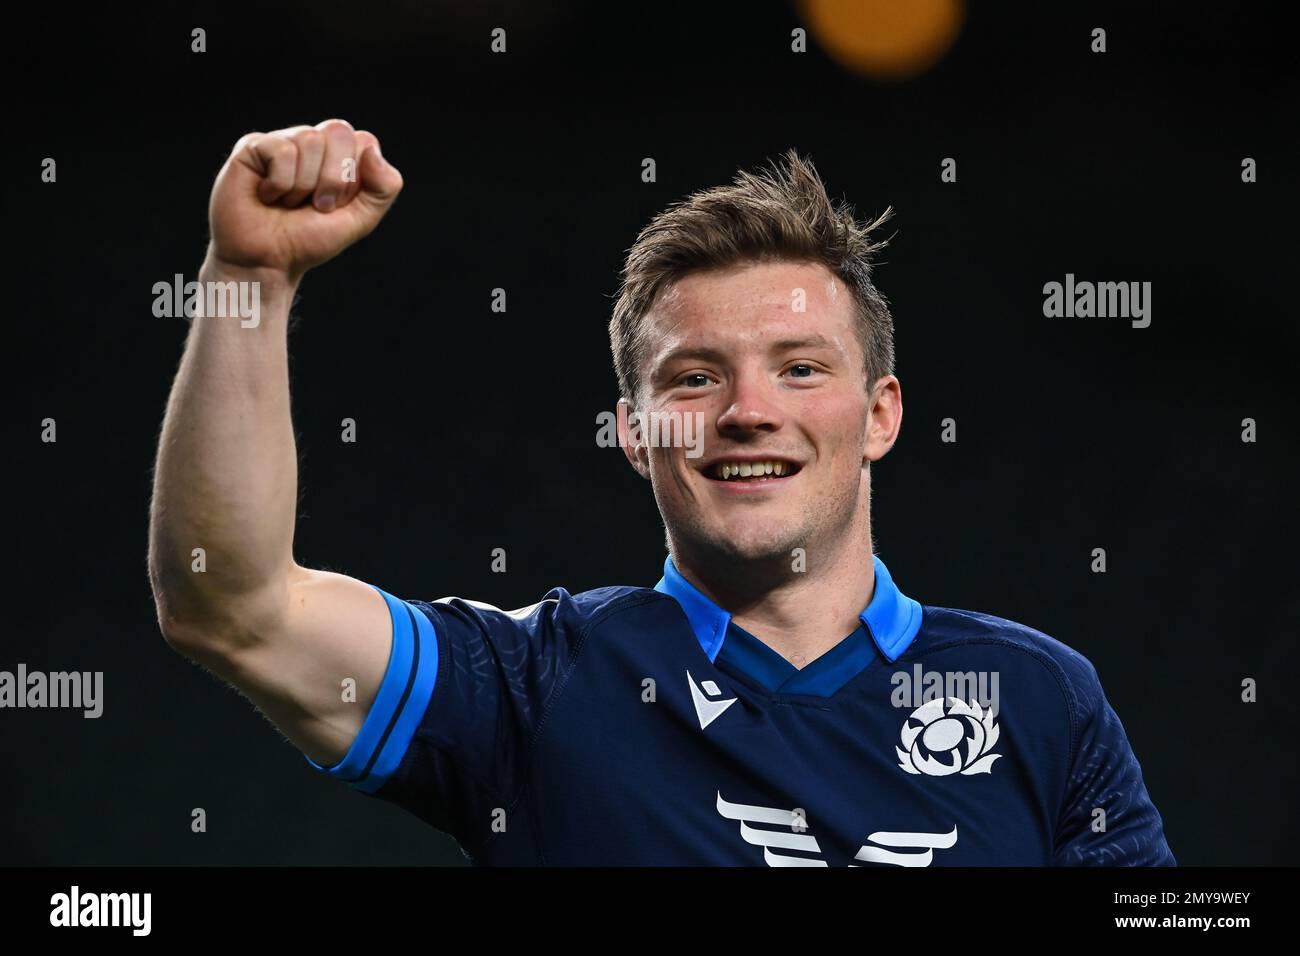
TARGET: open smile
(751,474)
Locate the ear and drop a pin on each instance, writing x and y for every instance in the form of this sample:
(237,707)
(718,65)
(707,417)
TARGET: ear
(884,420)
(631,439)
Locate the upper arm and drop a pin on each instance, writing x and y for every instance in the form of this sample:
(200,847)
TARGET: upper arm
(315,664)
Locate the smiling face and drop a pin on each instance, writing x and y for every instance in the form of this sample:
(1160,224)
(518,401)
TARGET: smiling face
(789,424)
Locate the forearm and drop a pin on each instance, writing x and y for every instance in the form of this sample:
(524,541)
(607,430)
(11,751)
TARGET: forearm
(226,476)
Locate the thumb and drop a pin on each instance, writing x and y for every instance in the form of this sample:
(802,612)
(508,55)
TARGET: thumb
(380,180)
(378,183)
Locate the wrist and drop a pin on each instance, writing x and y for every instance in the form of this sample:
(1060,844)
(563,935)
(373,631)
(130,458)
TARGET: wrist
(274,283)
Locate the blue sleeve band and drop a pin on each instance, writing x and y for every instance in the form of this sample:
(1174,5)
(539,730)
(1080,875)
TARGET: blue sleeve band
(399,705)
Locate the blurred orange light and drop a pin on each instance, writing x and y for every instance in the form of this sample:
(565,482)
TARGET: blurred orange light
(891,39)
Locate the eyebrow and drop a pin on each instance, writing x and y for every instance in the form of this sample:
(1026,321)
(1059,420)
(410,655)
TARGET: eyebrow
(708,354)
(690,352)
(807,342)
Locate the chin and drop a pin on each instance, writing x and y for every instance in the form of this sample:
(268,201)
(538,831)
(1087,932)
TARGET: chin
(761,546)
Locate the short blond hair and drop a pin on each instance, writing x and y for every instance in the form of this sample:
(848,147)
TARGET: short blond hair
(781,212)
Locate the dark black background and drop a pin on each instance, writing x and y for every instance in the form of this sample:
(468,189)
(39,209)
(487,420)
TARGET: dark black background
(476,430)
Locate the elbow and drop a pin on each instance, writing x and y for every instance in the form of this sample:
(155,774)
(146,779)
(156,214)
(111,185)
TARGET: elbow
(178,636)
(183,633)
(168,588)
(201,625)
(183,623)
(202,636)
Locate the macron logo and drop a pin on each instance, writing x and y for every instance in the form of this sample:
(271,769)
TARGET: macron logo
(707,709)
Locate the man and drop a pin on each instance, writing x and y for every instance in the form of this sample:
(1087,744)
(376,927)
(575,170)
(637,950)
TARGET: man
(775,698)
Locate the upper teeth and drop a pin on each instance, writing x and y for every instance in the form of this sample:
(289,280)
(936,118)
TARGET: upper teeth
(751,469)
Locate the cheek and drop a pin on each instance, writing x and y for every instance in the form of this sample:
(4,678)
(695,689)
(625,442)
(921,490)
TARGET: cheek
(839,431)
(665,472)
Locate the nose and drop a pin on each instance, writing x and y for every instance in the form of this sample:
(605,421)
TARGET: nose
(751,408)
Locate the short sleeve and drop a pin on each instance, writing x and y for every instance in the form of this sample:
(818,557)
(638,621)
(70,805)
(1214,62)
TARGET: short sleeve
(1105,775)
(465,692)
(399,704)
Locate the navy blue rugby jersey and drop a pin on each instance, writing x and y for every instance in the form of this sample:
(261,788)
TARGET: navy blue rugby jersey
(639,726)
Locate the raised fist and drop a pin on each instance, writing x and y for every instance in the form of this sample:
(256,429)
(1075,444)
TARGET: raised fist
(297,197)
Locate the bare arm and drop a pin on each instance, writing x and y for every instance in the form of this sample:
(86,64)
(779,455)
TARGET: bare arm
(226,475)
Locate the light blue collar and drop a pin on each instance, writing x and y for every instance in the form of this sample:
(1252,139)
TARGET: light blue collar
(892,618)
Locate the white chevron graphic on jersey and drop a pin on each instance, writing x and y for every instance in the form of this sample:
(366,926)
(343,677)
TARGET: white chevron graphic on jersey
(931,842)
(768,839)
(791,821)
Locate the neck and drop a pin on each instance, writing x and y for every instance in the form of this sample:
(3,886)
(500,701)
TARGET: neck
(799,614)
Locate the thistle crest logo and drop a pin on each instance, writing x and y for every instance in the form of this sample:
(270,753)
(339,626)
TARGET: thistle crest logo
(947,736)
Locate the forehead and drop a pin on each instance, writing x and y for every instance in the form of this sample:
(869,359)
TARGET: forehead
(751,305)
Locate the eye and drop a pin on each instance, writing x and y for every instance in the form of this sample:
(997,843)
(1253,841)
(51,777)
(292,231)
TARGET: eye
(695,380)
(794,369)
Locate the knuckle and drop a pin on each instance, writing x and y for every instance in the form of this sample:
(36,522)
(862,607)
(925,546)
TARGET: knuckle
(335,126)
(281,148)
(283,169)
